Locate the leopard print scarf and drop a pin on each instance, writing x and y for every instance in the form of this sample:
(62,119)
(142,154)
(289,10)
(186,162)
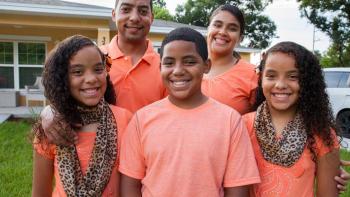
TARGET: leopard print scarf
(102,159)
(285,151)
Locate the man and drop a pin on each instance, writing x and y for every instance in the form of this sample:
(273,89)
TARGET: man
(135,65)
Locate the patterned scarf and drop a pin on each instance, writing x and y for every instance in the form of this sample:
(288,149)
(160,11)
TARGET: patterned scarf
(285,151)
(102,159)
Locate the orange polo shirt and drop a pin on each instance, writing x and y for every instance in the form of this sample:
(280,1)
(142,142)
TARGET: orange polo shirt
(135,85)
(235,87)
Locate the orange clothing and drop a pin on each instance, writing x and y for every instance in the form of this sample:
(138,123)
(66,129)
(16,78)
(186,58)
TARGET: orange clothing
(84,149)
(187,152)
(135,86)
(235,88)
(277,181)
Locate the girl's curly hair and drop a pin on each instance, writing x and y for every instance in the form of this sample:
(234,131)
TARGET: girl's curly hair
(56,84)
(55,77)
(313,102)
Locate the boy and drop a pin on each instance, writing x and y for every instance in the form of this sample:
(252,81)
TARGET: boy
(186,144)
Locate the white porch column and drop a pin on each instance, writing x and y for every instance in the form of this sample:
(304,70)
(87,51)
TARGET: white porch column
(103,36)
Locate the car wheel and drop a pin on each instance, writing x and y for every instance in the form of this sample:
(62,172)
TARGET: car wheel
(343,122)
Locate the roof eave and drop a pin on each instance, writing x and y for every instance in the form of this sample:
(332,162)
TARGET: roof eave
(35,9)
(166,30)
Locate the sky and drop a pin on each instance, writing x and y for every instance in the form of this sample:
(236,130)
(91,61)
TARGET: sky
(290,25)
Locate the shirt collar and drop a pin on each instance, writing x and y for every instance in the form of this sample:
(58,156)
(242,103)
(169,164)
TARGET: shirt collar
(114,52)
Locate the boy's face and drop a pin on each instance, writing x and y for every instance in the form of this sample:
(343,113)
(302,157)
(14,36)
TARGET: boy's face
(133,19)
(182,70)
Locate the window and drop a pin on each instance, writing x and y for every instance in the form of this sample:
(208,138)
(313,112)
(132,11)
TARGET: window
(156,46)
(31,53)
(344,80)
(6,60)
(6,53)
(20,63)
(332,79)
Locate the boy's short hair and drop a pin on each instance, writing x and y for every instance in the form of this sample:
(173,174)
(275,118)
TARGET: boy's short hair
(150,4)
(190,35)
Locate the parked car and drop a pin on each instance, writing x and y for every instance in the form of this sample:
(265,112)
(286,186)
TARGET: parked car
(338,89)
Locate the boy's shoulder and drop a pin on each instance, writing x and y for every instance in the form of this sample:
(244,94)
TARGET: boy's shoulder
(155,106)
(223,108)
(248,120)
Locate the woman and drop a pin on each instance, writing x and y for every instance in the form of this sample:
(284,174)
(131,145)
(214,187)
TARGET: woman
(231,80)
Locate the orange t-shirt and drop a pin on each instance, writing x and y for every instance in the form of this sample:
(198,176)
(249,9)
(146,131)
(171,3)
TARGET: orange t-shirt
(187,152)
(235,88)
(135,86)
(84,150)
(277,181)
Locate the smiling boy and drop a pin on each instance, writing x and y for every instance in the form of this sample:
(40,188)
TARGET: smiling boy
(186,144)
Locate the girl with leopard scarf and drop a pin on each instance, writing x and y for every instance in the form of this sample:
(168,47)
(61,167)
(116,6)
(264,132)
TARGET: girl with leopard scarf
(77,85)
(293,130)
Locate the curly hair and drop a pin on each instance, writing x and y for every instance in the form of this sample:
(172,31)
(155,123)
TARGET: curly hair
(56,84)
(313,102)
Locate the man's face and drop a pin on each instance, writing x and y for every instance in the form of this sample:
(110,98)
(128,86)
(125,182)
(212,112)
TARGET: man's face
(133,19)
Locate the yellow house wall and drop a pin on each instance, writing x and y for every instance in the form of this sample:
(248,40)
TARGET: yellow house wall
(55,34)
(56,28)
(245,56)
(53,21)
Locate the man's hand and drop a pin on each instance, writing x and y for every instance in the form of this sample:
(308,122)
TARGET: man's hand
(343,177)
(56,129)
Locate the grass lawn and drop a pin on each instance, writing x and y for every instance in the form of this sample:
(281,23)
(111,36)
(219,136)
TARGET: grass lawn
(16,160)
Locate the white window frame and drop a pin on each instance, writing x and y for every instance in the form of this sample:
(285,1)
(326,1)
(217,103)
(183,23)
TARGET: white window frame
(157,45)
(16,66)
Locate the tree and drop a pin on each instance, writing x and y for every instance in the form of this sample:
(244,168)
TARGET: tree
(331,57)
(333,18)
(159,3)
(259,28)
(160,11)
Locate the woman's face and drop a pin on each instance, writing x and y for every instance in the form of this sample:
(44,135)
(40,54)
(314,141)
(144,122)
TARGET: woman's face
(87,76)
(280,82)
(223,33)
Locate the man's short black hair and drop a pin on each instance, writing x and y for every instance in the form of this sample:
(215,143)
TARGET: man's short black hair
(190,35)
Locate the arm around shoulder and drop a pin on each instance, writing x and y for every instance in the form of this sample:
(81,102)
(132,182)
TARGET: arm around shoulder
(327,169)
(130,187)
(56,130)
(42,175)
(241,191)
